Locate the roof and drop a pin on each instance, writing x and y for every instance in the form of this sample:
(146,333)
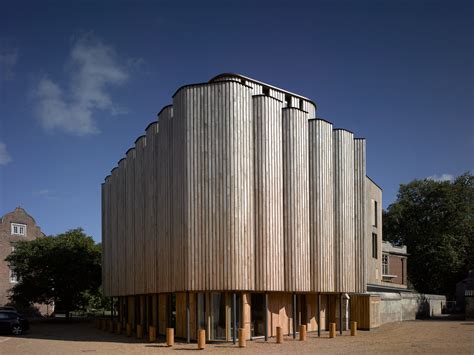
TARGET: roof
(235,75)
(388,247)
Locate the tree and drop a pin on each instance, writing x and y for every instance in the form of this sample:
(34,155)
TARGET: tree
(435,220)
(64,269)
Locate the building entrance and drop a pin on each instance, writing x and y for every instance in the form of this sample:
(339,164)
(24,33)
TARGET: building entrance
(257,315)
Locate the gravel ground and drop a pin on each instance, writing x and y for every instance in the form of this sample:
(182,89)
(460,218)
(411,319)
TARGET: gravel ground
(431,336)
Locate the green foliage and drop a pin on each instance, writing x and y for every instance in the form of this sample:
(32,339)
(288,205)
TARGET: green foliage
(436,222)
(96,302)
(64,269)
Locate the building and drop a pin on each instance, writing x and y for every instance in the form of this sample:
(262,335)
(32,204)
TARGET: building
(465,296)
(469,296)
(239,208)
(393,272)
(394,265)
(14,226)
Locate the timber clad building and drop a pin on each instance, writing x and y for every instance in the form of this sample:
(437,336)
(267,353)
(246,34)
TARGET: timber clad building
(240,209)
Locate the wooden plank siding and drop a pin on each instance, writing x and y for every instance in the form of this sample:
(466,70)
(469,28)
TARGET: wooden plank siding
(360,215)
(164,273)
(237,186)
(139,237)
(112,248)
(344,228)
(150,208)
(121,236)
(269,243)
(296,200)
(214,203)
(321,185)
(130,223)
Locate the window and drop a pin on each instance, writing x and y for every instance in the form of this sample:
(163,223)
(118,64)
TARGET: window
(374,246)
(288,100)
(18,229)
(301,104)
(384,264)
(13,278)
(374,213)
(404,281)
(3,315)
(266,91)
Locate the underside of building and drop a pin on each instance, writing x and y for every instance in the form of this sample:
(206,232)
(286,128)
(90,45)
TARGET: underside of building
(239,208)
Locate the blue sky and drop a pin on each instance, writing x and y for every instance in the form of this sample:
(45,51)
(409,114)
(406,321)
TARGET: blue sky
(80,80)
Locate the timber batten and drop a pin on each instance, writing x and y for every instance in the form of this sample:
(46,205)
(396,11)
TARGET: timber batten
(237,186)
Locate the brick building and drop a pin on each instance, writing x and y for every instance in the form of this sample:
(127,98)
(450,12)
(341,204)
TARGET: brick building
(14,226)
(394,264)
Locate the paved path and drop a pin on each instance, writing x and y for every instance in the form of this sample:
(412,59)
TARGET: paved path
(430,337)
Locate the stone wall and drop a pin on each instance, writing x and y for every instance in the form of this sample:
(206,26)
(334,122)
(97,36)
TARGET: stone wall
(469,308)
(402,306)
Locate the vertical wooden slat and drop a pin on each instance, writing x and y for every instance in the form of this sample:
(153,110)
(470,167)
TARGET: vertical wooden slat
(360,193)
(344,228)
(296,200)
(321,181)
(268,161)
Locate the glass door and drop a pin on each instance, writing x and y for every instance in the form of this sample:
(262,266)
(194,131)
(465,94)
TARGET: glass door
(257,314)
(217,316)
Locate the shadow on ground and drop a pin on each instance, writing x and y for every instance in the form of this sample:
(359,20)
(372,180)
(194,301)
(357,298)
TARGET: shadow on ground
(80,330)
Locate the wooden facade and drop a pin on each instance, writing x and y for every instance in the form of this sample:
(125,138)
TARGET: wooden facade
(237,187)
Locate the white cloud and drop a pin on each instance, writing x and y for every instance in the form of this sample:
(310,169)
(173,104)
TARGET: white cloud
(8,59)
(45,193)
(4,156)
(442,177)
(93,67)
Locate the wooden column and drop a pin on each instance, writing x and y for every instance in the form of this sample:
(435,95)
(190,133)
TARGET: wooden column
(319,314)
(340,314)
(234,317)
(188,316)
(154,310)
(294,315)
(120,310)
(266,317)
(246,310)
(131,319)
(142,310)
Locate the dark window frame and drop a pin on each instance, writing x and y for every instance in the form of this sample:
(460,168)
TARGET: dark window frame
(375,213)
(375,246)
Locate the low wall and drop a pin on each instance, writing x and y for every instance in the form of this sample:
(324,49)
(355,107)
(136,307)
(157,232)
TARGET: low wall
(469,308)
(401,306)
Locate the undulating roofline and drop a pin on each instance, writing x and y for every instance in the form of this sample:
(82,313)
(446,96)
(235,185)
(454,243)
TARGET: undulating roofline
(245,78)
